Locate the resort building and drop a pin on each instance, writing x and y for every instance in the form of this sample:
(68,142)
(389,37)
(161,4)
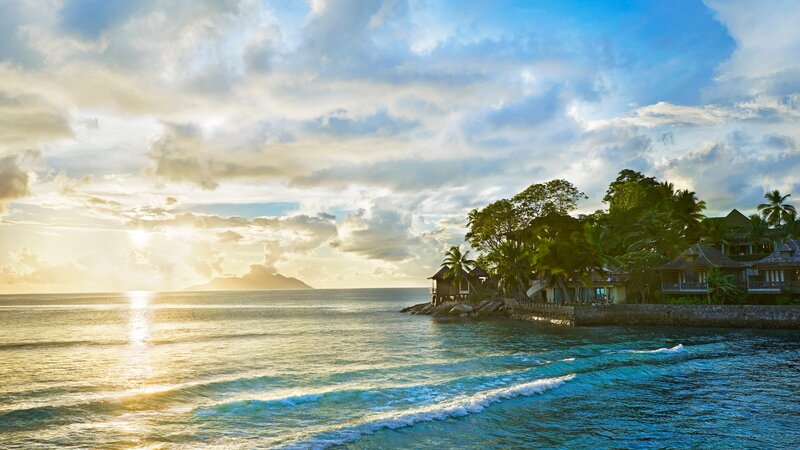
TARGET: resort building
(736,245)
(606,287)
(445,288)
(778,272)
(688,273)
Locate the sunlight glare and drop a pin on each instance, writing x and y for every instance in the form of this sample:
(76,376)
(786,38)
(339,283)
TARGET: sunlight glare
(139,299)
(139,238)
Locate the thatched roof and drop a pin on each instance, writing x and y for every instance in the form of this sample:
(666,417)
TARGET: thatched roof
(788,254)
(701,256)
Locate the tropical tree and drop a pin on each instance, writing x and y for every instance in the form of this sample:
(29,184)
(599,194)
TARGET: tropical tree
(512,264)
(720,286)
(716,232)
(791,229)
(457,264)
(775,211)
(757,231)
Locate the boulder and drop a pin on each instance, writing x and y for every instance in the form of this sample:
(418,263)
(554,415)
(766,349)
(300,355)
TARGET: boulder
(442,309)
(461,308)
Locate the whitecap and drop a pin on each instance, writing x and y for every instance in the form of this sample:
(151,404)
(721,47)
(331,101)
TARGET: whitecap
(457,407)
(677,349)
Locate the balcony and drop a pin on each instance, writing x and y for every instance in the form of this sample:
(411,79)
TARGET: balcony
(773,286)
(697,287)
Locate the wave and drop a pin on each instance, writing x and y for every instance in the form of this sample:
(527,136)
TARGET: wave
(677,349)
(458,407)
(120,342)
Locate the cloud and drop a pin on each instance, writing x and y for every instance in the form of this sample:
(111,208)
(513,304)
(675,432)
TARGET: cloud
(229,236)
(14,180)
(29,271)
(377,234)
(181,155)
(730,174)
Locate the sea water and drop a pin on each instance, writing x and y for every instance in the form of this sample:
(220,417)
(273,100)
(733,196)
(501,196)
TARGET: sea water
(322,368)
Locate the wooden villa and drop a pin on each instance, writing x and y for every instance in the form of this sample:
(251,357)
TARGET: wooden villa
(605,287)
(737,246)
(778,272)
(444,288)
(688,273)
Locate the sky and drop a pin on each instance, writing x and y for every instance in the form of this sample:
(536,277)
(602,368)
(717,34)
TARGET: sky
(155,145)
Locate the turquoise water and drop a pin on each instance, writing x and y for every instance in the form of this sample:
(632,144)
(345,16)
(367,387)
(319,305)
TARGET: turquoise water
(312,369)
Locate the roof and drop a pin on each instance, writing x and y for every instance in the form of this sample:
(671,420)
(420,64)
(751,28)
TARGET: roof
(734,220)
(701,256)
(440,274)
(477,271)
(788,254)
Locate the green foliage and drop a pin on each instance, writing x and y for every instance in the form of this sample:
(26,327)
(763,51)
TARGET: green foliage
(775,211)
(457,264)
(643,277)
(687,300)
(788,298)
(553,197)
(720,286)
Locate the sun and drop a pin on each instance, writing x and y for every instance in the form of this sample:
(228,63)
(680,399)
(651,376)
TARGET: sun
(139,238)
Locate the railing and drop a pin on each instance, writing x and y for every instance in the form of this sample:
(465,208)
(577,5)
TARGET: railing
(773,285)
(697,286)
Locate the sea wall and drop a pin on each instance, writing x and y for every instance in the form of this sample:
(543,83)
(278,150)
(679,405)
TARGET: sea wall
(732,316)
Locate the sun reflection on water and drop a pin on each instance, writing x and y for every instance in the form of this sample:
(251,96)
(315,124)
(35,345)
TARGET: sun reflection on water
(137,364)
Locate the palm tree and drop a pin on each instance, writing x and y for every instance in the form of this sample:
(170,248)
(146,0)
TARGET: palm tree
(776,211)
(757,232)
(512,264)
(716,233)
(791,229)
(720,286)
(457,264)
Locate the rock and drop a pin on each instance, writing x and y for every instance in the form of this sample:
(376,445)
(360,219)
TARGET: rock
(442,309)
(461,308)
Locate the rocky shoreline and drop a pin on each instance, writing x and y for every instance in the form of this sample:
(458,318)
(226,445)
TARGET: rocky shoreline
(486,308)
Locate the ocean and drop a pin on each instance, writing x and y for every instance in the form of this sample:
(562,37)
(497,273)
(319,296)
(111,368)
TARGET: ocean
(322,368)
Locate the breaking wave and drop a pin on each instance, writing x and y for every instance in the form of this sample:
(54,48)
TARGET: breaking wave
(458,407)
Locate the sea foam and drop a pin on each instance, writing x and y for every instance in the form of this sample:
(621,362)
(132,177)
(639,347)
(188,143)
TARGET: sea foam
(677,349)
(457,407)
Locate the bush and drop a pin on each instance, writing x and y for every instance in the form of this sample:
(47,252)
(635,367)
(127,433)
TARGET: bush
(787,298)
(687,300)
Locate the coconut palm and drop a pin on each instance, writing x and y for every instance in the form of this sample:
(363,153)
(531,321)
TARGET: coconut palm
(716,232)
(757,231)
(457,264)
(775,211)
(512,264)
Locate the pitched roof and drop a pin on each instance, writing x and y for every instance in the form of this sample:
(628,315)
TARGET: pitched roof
(439,275)
(788,254)
(734,221)
(478,271)
(701,256)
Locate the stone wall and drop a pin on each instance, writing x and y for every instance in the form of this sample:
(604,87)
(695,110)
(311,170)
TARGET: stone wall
(735,316)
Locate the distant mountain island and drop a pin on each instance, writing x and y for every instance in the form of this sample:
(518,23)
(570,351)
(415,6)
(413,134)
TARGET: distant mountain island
(259,277)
